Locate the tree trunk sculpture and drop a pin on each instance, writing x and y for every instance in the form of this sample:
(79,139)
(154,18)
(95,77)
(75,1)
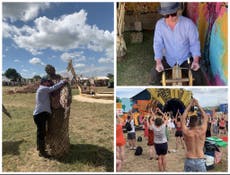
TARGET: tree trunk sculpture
(57,138)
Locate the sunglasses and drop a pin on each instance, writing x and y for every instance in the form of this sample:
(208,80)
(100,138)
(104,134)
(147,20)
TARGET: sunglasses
(172,15)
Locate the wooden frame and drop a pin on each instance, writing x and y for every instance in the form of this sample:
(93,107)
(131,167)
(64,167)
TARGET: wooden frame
(176,77)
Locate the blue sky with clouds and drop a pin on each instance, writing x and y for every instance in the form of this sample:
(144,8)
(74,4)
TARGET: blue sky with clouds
(36,34)
(205,96)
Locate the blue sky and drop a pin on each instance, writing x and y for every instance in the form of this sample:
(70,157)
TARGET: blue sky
(205,96)
(36,34)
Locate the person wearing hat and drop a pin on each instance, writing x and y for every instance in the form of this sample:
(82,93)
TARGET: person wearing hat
(176,39)
(194,138)
(42,111)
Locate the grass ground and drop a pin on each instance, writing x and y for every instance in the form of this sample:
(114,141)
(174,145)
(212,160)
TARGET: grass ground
(175,160)
(90,130)
(135,67)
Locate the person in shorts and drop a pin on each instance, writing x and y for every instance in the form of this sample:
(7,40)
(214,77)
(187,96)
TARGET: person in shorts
(131,136)
(160,142)
(179,133)
(194,138)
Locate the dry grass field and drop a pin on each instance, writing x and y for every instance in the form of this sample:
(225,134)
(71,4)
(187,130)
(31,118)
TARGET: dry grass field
(90,130)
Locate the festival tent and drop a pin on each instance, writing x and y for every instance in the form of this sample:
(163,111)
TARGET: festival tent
(169,99)
(101,81)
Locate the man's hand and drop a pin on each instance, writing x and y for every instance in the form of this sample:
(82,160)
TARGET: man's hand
(195,64)
(159,66)
(65,81)
(196,103)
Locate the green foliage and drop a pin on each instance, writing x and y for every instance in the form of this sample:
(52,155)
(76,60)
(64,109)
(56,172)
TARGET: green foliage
(37,77)
(12,74)
(110,76)
(118,100)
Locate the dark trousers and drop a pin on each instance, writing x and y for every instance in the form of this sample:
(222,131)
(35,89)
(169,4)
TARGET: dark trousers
(41,121)
(197,75)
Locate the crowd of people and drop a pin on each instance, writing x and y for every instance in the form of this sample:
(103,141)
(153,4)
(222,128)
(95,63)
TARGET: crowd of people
(190,128)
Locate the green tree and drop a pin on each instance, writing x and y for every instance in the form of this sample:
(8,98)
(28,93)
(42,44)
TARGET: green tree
(37,77)
(110,76)
(12,74)
(118,100)
(111,80)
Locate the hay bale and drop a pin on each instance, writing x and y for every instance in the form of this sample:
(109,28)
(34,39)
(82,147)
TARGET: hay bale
(138,26)
(136,37)
(148,21)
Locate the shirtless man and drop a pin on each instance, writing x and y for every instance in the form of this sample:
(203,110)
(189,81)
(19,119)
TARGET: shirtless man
(194,137)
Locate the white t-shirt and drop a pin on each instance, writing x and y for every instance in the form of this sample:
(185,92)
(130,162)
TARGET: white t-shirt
(132,125)
(159,134)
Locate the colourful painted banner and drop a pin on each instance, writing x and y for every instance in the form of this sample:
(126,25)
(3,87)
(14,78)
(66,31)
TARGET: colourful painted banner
(211,19)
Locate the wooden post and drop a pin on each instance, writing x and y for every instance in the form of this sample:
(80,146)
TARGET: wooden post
(121,45)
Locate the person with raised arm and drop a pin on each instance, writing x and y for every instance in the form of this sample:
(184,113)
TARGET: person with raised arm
(194,138)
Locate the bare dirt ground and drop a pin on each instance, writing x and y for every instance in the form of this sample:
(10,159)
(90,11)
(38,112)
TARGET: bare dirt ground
(91,99)
(175,160)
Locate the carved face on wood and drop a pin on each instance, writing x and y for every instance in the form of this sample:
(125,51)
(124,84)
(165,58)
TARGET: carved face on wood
(50,70)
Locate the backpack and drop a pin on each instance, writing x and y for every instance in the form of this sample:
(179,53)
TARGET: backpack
(210,149)
(138,151)
(128,126)
(209,161)
(139,139)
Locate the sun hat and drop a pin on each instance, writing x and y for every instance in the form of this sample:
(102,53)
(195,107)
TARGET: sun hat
(168,7)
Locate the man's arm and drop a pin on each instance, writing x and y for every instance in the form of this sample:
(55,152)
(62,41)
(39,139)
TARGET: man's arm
(57,86)
(158,46)
(194,44)
(177,114)
(203,114)
(184,116)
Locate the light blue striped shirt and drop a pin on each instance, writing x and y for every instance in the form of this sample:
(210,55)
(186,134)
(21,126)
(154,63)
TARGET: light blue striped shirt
(43,97)
(176,45)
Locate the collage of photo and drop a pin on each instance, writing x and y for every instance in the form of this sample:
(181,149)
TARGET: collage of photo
(114,87)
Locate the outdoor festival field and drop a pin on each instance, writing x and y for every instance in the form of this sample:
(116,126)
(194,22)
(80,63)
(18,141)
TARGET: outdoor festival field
(175,160)
(90,131)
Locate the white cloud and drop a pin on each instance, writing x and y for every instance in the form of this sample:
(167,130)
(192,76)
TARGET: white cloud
(76,56)
(210,97)
(9,30)
(68,32)
(36,61)
(65,74)
(22,11)
(78,65)
(93,71)
(25,70)
(17,61)
(105,60)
